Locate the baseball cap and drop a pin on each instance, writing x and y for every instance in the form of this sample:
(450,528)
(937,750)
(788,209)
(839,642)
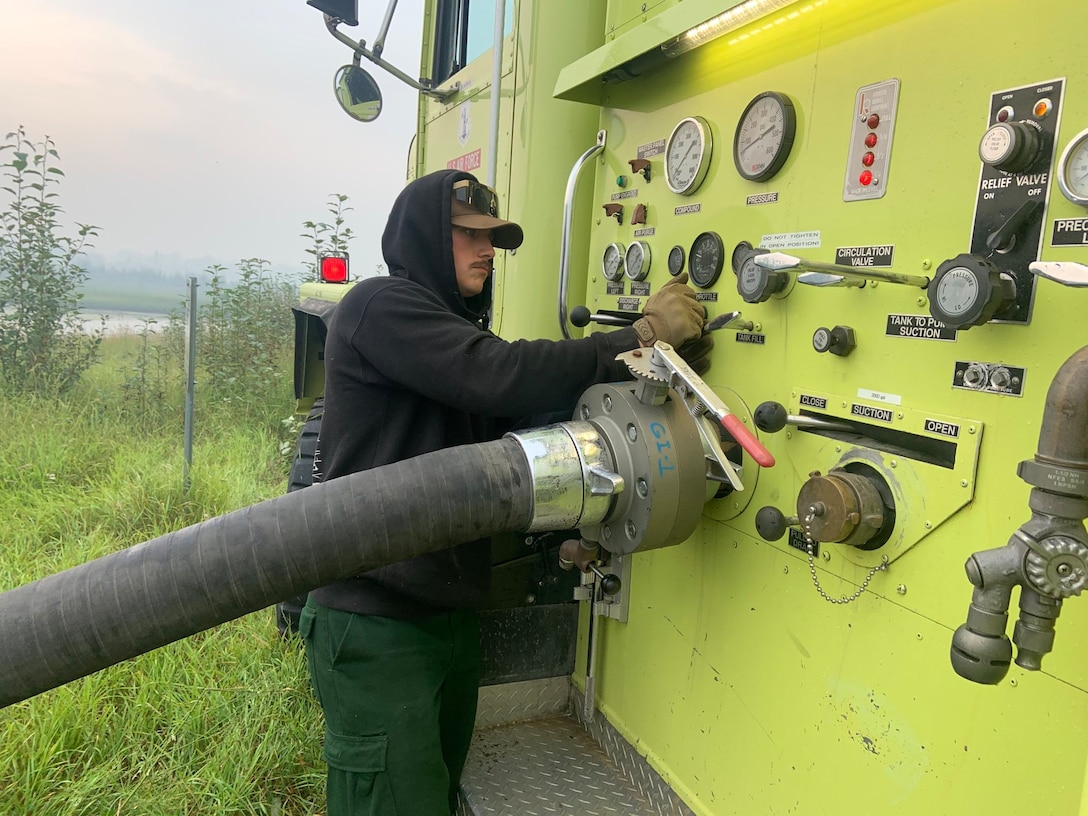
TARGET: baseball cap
(476,206)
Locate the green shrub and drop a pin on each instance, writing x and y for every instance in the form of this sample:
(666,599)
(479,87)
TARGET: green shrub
(43,348)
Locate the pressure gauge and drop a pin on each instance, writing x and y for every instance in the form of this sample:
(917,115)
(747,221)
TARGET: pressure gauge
(612,262)
(636,263)
(1073,169)
(707,259)
(764,136)
(676,260)
(687,155)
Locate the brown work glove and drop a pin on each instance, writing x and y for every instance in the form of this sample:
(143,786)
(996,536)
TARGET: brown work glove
(671,314)
(696,353)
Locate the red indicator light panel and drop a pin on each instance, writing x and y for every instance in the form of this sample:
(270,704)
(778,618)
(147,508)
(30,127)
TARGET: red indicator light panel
(870,148)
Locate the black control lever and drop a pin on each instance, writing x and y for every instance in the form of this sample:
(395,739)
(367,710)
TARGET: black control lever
(610,582)
(772,523)
(1001,239)
(580,316)
(771,417)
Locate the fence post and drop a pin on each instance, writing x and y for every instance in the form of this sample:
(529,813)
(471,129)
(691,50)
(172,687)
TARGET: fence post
(190,380)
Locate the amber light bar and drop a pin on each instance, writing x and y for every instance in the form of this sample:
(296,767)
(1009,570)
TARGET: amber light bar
(736,17)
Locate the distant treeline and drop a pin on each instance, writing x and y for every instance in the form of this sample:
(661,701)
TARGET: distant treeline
(138,289)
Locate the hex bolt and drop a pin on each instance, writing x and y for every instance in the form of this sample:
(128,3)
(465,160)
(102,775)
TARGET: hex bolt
(607,402)
(901,589)
(642,488)
(632,433)
(631,529)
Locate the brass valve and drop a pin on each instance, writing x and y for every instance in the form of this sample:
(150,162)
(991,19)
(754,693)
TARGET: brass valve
(842,507)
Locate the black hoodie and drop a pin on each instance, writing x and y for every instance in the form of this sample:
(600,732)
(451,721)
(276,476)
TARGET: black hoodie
(410,369)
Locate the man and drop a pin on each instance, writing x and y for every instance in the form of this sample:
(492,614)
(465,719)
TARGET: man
(411,368)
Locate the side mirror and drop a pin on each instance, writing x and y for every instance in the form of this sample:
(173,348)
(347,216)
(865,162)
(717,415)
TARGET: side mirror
(358,93)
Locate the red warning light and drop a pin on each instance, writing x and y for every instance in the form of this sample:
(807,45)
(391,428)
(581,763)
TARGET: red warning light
(870,140)
(873,121)
(868,159)
(866,178)
(334,269)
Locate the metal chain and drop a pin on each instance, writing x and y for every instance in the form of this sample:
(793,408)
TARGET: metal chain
(810,545)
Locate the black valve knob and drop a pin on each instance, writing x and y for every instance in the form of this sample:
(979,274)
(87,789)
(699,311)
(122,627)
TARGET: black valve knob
(968,290)
(839,340)
(580,316)
(770,417)
(772,523)
(610,582)
(1010,146)
(754,283)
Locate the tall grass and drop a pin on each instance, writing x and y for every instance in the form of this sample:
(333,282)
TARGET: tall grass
(220,723)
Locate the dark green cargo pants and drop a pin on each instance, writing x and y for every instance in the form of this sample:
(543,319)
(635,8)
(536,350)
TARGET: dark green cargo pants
(400,700)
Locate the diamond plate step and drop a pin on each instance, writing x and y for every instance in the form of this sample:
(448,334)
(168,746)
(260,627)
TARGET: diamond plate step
(544,767)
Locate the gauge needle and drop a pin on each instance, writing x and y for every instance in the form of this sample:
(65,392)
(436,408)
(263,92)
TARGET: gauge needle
(686,154)
(757,138)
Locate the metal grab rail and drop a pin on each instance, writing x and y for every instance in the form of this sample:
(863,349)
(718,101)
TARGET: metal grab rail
(568,223)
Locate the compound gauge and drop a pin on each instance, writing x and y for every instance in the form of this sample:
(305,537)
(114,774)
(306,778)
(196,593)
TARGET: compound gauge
(1073,169)
(764,136)
(676,260)
(636,263)
(687,155)
(707,259)
(612,262)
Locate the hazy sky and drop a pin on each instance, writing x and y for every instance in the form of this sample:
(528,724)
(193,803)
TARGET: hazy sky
(208,127)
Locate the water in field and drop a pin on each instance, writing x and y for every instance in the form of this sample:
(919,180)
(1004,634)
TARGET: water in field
(123,322)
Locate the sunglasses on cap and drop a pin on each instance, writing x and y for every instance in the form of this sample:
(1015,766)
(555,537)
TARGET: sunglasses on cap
(478,196)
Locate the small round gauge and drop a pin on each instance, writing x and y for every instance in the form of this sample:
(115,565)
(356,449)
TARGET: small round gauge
(1073,169)
(636,263)
(676,260)
(687,155)
(612,262)
(707,259)
(764,136)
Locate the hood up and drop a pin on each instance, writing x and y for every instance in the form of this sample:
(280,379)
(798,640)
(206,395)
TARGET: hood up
(418,242)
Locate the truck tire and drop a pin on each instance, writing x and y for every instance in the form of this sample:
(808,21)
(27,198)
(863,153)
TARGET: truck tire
(301,475)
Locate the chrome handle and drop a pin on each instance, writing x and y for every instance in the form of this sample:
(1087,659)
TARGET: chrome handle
(568,224)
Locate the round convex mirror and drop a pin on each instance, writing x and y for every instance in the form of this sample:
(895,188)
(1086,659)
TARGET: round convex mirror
(358,93)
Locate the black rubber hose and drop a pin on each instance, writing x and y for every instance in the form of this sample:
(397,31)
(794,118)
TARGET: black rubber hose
(92,616)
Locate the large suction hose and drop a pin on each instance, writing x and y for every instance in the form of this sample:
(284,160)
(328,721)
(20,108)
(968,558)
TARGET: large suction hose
(92,616)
